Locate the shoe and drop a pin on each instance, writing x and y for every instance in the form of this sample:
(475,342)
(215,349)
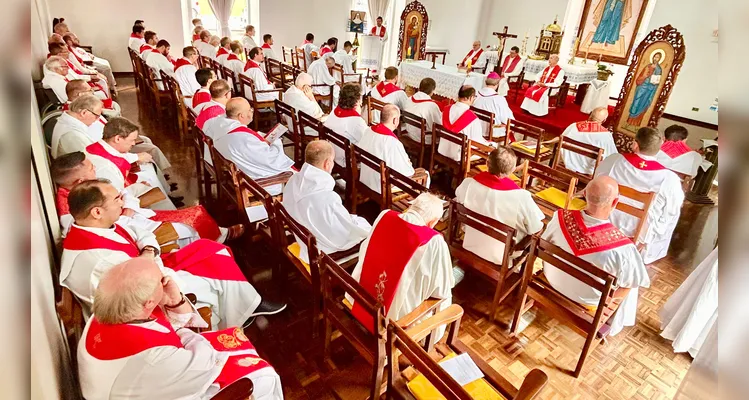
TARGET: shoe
(173,186)
(268,308)
(177,201)
(167,177)
(248,322)
(235,231)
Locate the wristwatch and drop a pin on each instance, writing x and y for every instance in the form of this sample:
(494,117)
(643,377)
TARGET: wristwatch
(155,251)
(184,299)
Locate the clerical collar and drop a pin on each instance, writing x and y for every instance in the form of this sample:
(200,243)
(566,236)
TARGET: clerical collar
(593,220)
(646,157)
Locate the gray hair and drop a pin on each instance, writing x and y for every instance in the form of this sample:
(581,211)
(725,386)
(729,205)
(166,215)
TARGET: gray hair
(303,79)
(55,62)
(428,206)
(85,102)
(121,294)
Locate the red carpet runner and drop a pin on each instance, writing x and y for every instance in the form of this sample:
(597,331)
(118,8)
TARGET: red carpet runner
(555,122)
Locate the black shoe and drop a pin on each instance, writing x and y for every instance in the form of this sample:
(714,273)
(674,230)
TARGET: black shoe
(173,186)
(248,322)
(167,177)
(177,201)
(268,308)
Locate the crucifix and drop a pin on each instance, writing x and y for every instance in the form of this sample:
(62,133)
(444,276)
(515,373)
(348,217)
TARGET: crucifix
(502,36)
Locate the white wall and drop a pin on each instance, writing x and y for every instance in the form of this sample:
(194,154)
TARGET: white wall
(290,20)
(453,24)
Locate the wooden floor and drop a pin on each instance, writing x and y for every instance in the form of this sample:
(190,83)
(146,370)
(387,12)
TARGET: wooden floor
(636,364)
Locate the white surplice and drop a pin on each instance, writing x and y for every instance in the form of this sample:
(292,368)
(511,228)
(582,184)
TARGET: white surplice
(308,49)
(687,163)
(514,208)
(296,98)
(205,49)
(188,84)
(664,211)
(346,61)
(248,42)
(231,302)
(541,107)
(352,128)
(135,43)
(426,108)
(582,164)
(474,131)
(690,313)
(386,148)
(261,83)
(321,76)
(488,99)
(158,62)
(235,64)
(70,135)
(56,82)
(221,58)
(504,87)
(397,97)
(145,51)
(309,198)
(624,262)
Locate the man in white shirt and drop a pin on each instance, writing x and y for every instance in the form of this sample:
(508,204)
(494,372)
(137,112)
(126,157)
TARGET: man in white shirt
(388,90)
(345,58)
(247,39)
(476,56)
(589,235)
(642,172)
(320,72)
(101,65)
(56,77)
(346,119)
(511,66)
(676,155)
(267,47)
(494,195)
(151,39)
(204,46)
(411,254)
(184,73)
(160,60)
(220,95)
(233,60)
(78,87)
(536,100)
(309,47)
(253,70)
(302,98)
(458,118)
(310,199)
(142,350)
(590,132)
(489,100)
(422,105)
(380,141)
(71,132)
(224,50)
(136,38)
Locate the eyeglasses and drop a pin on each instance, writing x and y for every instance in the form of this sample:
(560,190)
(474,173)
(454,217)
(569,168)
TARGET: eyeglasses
(97,114)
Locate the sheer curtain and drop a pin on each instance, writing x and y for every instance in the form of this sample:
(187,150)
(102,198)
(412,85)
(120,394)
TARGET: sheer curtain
(378,8)
(392,19)
(222,10)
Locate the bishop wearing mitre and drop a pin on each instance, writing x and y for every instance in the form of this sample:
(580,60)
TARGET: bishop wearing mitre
(536,99)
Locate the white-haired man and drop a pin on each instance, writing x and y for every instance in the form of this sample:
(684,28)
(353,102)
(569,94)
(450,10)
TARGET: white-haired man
(536,99)
(302,98)
(57,74)
(404,261)
(253,70)
(71,132)
(589,132)
(320,71)
(590,235)
(310,199)
(136,346)
(476,56)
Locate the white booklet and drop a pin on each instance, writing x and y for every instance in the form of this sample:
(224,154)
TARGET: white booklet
(275,133)
(462,369)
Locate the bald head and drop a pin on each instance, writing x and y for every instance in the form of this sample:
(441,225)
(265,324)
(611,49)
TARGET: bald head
(601,190)
(56,38)
(304,79)
(390,116)
(237,106)
(319,153)
(599,114)
(127,291)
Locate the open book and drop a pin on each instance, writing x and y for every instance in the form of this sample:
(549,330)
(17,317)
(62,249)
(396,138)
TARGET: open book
(275,133)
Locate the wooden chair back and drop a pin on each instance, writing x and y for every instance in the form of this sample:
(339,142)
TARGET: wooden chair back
(374,108)
(522,131)
(516,83)
(288,75)
(457,168)
(287,53)
(364,159)
(253,194)
(246,83)
(238,390)
(273,69)
(558,96)
(301,60)
(340,76)
(414,123)
(401,189)
(345,171)
(476,158)
(206,62)
(309,128)
(286,116)
(227,184)
(595,153)
(637,205)
(537,177)
(231,77)
(209,171)
(198,147)
(486,119)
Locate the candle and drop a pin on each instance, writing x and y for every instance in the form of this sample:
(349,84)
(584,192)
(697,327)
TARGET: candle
(408,52)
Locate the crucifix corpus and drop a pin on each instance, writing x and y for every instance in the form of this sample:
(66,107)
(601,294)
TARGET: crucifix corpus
(502,36)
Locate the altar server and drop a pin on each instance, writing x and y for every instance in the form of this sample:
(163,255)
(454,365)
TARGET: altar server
(388,90)
(159,60)
(233,60)
(476,56)
(136,38)
(204,76)
(422,105)
(346,119)
(267,47)
(101,65)
(310,199)
(204,46)
(489,100)
(184,73)
(536,99)
(57,73)
(309,48)
(642,172)
(493,194)
(71,133)
(329,47)
(590,235)
(458,118)
(223,50)
(253,70)
(220,94)
(676,155)
(512,66)
(345,58)
(320,71)
(248,42)
(151,39)
(590,132)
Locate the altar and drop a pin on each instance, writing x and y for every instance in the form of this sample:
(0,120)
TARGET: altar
(576,74)
(448,78)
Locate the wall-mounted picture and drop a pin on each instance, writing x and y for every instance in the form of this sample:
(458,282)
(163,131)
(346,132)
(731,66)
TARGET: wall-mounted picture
(356,21)
(608,28)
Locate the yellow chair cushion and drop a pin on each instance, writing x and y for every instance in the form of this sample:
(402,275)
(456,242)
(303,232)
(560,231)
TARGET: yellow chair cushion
(296,251)
(422,389)
(528,150)
(558,197)
(347,303)
(484,168)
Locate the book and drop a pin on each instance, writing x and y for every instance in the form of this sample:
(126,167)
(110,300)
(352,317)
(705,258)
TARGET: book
(275,133)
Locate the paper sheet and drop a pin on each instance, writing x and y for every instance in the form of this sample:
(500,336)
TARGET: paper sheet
(462,369)
(275,133)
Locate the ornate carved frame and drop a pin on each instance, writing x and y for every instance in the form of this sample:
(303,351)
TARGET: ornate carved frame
(414,6)
(614,60)
(667,34)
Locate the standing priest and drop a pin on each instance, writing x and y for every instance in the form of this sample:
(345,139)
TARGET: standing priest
(536,99)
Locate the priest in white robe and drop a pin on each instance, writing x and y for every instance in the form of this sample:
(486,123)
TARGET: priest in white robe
(494,195)
(150,38)
(204,46)
(220,92)
(511,66)
(136,38)
(223,51)
(590,235)
(536,100)
(476,58)
(234,60)
(389,92)
(301,98)
(320,71)
(204,76)
(458,118)
(676,155)
(422,105)
(310,49)
(589,132)
(488,99)
(101,65)
(346,119)
(71,131)
(310,199)
(57,74)
(268,47)
(96,243)
(253,70)
(345,58)
(248,41)
(160,60)
(184,73)
(643,173)
(135,346)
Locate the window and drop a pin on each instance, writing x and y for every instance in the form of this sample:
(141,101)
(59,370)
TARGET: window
(238,20)
(360,5)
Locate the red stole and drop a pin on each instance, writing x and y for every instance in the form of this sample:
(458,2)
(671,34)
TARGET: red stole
(265,46)
(61,201)
(221,51)
(474,59)
(373,32)
(641,163)
(386,88)
(232,56)
(181,63)
(135,36)
(253,64)
(393,243)
(512,65)
(535,92)
(586,240)
(195,37)
(208,113)
(247,130)
(199,258)
(237,366)
(145,47)
(80,60)
(196,217)
(342,113)
(72,66)
(325,50)
(81,239)
(122,164)
(200,97)
(674,149)
(590,127)
(460,124)
(494,182)
(383,130)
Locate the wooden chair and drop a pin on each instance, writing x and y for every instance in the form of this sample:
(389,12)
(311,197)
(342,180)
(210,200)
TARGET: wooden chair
(325,100)
(422,361)
(543,153)
(558,96)
(309,130)
(288,54)
(400,189)
(247,82)
(487,120)
(551,189)
(288,75)
(516,83)
(273,69)
(588,322)
(160,97)
(345,171)
(372,106)
(133,55)
(456,168)
(218,69)
(198,148)
(595,153)
(286,116)
(301,60)
(209,171)
(342,77)
(642,202)
(227,184)
(368,340)
(360,192)
(231,77)
(506,281)
(477,154)
(252,193)
(415,123)
(180,108)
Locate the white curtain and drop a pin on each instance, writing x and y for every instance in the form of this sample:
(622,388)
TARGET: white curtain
(377,8)
(392,20)
(222,10)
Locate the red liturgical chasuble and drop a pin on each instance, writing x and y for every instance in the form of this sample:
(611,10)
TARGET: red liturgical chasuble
(536,92)
(509,66)
(474,59)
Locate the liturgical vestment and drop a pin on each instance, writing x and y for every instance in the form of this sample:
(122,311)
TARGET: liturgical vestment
(588,132)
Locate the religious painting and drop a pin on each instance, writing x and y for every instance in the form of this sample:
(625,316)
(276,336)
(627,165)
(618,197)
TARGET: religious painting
(413,32)
(356,21)
(648,84)
(608,29)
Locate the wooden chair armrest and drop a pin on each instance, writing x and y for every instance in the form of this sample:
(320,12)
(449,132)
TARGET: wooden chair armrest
(532,385)
(283,177)
(444,317)
(239,390)
(151,197)
(339,255)
(269,91)
(524,243)
(552,141)
(420,176)
(189,96)
(425,308)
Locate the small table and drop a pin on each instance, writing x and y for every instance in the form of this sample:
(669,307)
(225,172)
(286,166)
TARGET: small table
(438,51)
(448,78)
